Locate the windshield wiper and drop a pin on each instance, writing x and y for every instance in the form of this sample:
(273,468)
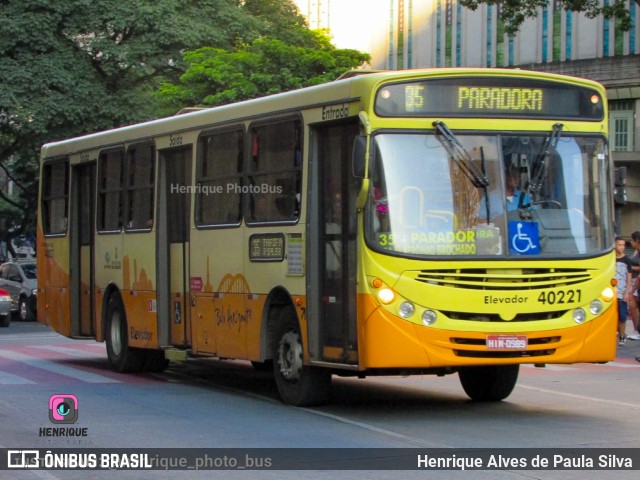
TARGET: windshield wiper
(539,173)
(460,155)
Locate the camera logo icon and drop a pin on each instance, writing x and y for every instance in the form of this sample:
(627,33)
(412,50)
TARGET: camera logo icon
(63,408)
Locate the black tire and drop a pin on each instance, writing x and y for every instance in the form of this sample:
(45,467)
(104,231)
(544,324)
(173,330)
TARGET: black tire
(5,320)
(489,383)
(298,384)
(122,358)
(25,314)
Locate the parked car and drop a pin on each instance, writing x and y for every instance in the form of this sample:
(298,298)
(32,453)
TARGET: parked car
(20,280)
(5,308)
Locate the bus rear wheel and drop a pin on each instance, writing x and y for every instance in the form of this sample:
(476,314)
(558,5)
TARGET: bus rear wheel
(122,358)
(298,384)
(490,383)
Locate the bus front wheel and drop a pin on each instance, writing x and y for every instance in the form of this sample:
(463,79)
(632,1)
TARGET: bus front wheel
(298,384)
(122,358)
(489,383)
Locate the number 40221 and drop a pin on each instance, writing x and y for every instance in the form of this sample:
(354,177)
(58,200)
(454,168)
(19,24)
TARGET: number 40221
(563,296)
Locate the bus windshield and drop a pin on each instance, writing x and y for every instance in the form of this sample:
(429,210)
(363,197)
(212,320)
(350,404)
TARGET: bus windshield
(530,194)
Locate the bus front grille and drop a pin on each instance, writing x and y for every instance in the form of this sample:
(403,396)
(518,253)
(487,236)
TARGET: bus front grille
(494,317)
(504,279)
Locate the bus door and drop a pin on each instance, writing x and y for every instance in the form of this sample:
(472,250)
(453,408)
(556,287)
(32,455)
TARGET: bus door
(332,231)
(81,258)
(173,225)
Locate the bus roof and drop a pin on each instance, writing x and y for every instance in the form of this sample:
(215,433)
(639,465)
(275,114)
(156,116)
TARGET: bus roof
(352,86)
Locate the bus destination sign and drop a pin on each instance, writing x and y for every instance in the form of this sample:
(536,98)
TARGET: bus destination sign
(489,97)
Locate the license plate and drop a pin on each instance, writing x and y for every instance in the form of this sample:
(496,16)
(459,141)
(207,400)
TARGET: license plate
(507,342)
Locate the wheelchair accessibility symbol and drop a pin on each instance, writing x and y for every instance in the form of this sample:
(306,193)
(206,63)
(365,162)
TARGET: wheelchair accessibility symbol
(524,238)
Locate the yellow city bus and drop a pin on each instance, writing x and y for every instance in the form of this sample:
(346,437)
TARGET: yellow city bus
(410,222)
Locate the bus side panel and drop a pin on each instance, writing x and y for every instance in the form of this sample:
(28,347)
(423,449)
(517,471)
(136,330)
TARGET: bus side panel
(53,301)
(231,318)
(203,323)
(43,278)
(255,307)
(108,273)
(138,290)
(219,319)
(141,318)
(210,326)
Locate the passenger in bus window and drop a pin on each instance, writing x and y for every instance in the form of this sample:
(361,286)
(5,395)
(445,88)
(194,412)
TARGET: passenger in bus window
(512,194)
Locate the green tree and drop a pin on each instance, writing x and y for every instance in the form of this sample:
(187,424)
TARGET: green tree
(515,12)
(69,67)
(214,76)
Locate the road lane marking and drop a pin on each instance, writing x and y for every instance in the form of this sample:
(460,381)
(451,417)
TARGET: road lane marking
(399,436)
(635,406)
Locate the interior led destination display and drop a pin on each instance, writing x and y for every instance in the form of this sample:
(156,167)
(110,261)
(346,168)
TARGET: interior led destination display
(489,97)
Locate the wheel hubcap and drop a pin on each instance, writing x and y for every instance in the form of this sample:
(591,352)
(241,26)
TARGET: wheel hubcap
(116,339)
(290,356)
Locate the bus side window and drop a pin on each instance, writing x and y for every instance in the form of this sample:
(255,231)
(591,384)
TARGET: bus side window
(275,177)
(140,187)
(219,178)
(110,190)
(55,197)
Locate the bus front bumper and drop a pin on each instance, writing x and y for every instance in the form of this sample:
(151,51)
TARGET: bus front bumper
(391,342)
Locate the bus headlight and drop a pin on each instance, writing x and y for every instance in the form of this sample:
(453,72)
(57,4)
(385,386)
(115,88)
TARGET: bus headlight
(608,294)
(386,296)
(429,317)
(596,307)
(579,315)
(406,309)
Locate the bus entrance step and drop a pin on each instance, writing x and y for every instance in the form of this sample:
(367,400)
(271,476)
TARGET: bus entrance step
(175,354)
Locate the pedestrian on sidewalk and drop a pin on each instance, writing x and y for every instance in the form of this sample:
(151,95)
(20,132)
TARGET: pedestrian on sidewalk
(623,277)
(633,309)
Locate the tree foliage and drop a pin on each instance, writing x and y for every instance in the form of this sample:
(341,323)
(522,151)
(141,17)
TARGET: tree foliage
(69,67)
(514,12)
(215,76)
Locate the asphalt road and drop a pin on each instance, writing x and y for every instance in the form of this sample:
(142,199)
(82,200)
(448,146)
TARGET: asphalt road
(208,403)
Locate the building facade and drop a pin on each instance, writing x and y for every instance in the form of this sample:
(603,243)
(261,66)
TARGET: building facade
(405,34)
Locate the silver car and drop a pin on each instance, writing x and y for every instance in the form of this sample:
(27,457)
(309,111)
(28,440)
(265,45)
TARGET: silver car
(5,308)
(20,280)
